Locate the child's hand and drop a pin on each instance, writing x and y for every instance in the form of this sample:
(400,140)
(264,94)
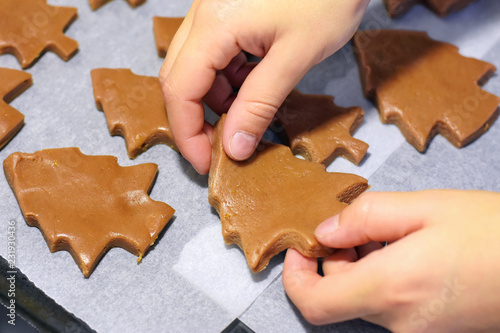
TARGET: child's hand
(440,272)
(205,60)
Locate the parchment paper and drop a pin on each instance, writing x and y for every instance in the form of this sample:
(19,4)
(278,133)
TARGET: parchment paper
(190,281)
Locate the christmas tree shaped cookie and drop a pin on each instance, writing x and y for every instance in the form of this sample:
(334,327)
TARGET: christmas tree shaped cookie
(425,87)
(87,204)
(134,108)
(274,201)
(319,130)
(28,28)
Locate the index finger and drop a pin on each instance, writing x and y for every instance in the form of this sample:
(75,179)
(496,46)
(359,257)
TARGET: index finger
(204,52)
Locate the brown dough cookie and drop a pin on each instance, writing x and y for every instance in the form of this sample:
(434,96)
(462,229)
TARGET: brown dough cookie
(397,8)
(274,201)
(94,4)
(319,130)
(134,108)
(28,28)
(425,86)
(164,29)
(12,84)
(87,204)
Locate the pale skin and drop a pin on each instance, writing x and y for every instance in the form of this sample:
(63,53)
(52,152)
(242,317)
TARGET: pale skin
(205,60)
(440,271)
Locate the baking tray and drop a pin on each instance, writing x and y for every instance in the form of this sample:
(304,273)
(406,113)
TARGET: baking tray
(190,281)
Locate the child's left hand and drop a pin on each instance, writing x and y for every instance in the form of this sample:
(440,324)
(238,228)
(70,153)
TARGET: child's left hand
(440,272)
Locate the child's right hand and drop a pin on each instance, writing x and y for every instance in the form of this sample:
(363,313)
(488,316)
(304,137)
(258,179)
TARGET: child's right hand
(205,60)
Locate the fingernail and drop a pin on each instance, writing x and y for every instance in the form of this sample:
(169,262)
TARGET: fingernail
(327,227)
(242,145)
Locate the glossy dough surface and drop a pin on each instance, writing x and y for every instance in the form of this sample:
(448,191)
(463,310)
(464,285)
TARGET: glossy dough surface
(275,201)
(134,108)
(319,130)
(87,204)
(425,87)
(12,83)
(30,27)
(164,29)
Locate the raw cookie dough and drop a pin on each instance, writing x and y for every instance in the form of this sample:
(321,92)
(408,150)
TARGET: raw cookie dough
(425,86)
(397,8)
(94,4)
(28,28)
(319,130)
(134,108)
(87,204)
(12,84)
(164,29)
(274,201)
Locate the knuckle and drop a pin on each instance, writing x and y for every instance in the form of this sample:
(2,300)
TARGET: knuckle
(162,75)
(169,90)
(313,314)
(263,110)
(398,294)
(364,205)
(293,283)
(304,298)
(366,199)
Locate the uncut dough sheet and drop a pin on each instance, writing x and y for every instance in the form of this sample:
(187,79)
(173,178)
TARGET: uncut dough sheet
(190,281)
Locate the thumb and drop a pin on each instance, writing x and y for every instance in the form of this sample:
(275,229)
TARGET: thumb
(380,217)
(259,98)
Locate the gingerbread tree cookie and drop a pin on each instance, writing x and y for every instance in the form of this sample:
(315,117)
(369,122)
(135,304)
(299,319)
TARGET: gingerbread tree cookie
(134,108)
(319,130)
(28,28)
(12,84)
(94,4)
(87,204)
(274,201)
(164,29)
(425,87)
(397,8)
